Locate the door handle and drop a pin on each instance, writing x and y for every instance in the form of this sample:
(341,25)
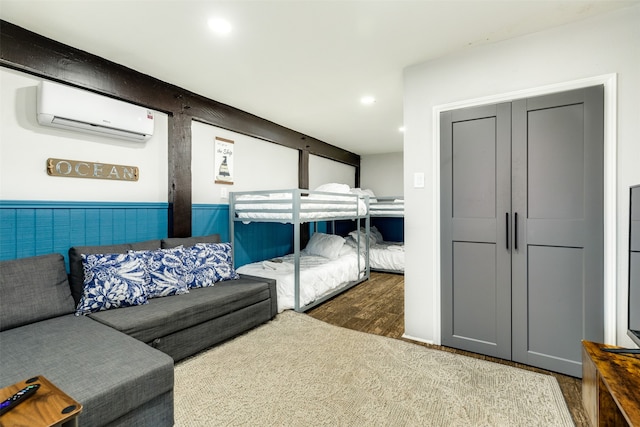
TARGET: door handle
(515,231)
(507,229)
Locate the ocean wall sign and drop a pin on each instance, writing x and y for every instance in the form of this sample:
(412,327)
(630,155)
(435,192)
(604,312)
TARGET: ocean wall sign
(82,169)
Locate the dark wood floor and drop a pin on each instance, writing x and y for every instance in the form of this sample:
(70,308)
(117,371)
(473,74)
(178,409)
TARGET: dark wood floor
(377,306)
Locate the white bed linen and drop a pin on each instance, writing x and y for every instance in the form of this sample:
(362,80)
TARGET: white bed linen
(396,207)
(387,213)
(288,216)
(318,276)
(387,256)
(312,207)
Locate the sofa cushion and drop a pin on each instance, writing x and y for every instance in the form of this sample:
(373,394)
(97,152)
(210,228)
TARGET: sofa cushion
(33,289)
(163,316)
(112,281)
(76,272)
(147,245)
(109,373)
(172,242)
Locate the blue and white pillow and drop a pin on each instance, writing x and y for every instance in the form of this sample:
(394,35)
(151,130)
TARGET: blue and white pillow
(223,263)
(166,271)
(208,263)
(112,281)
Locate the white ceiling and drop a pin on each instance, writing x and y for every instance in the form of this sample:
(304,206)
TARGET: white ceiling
(302,64)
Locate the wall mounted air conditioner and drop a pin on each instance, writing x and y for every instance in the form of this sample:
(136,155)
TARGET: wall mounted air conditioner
(79,110)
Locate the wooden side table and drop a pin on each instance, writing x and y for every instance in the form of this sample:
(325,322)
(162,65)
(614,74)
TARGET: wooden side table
(610,386)
(49,406)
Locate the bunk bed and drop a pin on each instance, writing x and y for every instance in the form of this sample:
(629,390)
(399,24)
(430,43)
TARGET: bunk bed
(384,255)
(390,207)
(326,266)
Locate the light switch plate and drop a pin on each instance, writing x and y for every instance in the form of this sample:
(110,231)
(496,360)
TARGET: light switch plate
(418,180)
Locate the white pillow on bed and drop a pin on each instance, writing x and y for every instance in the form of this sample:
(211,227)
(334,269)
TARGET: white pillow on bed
(365,192)
(333,187)
(363,235)
(376,233)
(326,245)
(346,249)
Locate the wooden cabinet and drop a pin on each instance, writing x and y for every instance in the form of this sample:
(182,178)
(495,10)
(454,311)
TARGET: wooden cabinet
(610,386)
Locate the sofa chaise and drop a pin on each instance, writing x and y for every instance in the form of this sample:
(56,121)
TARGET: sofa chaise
(117,363)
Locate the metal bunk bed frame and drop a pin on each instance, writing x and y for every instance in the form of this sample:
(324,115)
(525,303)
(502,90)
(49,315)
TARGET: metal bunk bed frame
(295,210)
(386,213)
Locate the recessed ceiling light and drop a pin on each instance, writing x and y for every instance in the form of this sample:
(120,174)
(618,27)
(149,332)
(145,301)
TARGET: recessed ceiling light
(401,129)
(367,100)
(220,26)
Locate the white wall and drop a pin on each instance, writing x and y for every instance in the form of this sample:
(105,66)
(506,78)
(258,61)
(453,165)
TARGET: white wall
(325,171)
(25,147)
(258,164)
(594,47)
(383,173)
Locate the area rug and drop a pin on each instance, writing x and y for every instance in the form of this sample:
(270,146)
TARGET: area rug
(299,371)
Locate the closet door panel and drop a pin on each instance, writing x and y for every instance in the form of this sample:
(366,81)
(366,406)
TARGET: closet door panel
(557,194)
(555,277)
(555,232)
(475,202)
(556,163)
(474,177)
(522,235)
(475,292)
(474,230)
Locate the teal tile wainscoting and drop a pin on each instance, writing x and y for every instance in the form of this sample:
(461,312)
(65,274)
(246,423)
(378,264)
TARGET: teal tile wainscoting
(255,241)
(29,228)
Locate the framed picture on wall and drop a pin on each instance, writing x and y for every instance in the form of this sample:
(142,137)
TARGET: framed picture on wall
(223,161)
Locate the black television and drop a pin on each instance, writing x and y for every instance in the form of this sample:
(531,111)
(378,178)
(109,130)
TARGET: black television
(633,309)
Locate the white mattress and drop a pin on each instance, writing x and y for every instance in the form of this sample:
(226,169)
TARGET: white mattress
(387,256)
(318,276)
(276,206)
(387,208)
(321,213)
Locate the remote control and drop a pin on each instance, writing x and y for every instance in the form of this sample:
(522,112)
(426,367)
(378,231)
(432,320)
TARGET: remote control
(18,398)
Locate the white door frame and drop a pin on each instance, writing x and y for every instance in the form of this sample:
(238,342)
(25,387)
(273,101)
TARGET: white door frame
(609,81)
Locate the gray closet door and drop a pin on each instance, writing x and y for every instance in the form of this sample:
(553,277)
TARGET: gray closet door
(475,204)
(558,272)
(522,231)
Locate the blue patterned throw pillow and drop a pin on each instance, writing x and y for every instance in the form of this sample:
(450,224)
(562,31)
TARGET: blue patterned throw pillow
(112,281)
(223,264)
(166,271)
(208,263)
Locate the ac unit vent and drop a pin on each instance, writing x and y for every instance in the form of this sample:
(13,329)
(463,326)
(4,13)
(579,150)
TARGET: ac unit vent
(79,110)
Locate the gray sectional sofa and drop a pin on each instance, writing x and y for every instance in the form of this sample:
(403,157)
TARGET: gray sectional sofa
(118,363)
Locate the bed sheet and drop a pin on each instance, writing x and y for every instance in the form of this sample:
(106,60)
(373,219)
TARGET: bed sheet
(318,276)
(312,207)
(387,256)
(288,216)
(395,207)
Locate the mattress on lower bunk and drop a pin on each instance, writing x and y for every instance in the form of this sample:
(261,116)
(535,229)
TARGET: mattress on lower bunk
(387,256)
(319,276)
